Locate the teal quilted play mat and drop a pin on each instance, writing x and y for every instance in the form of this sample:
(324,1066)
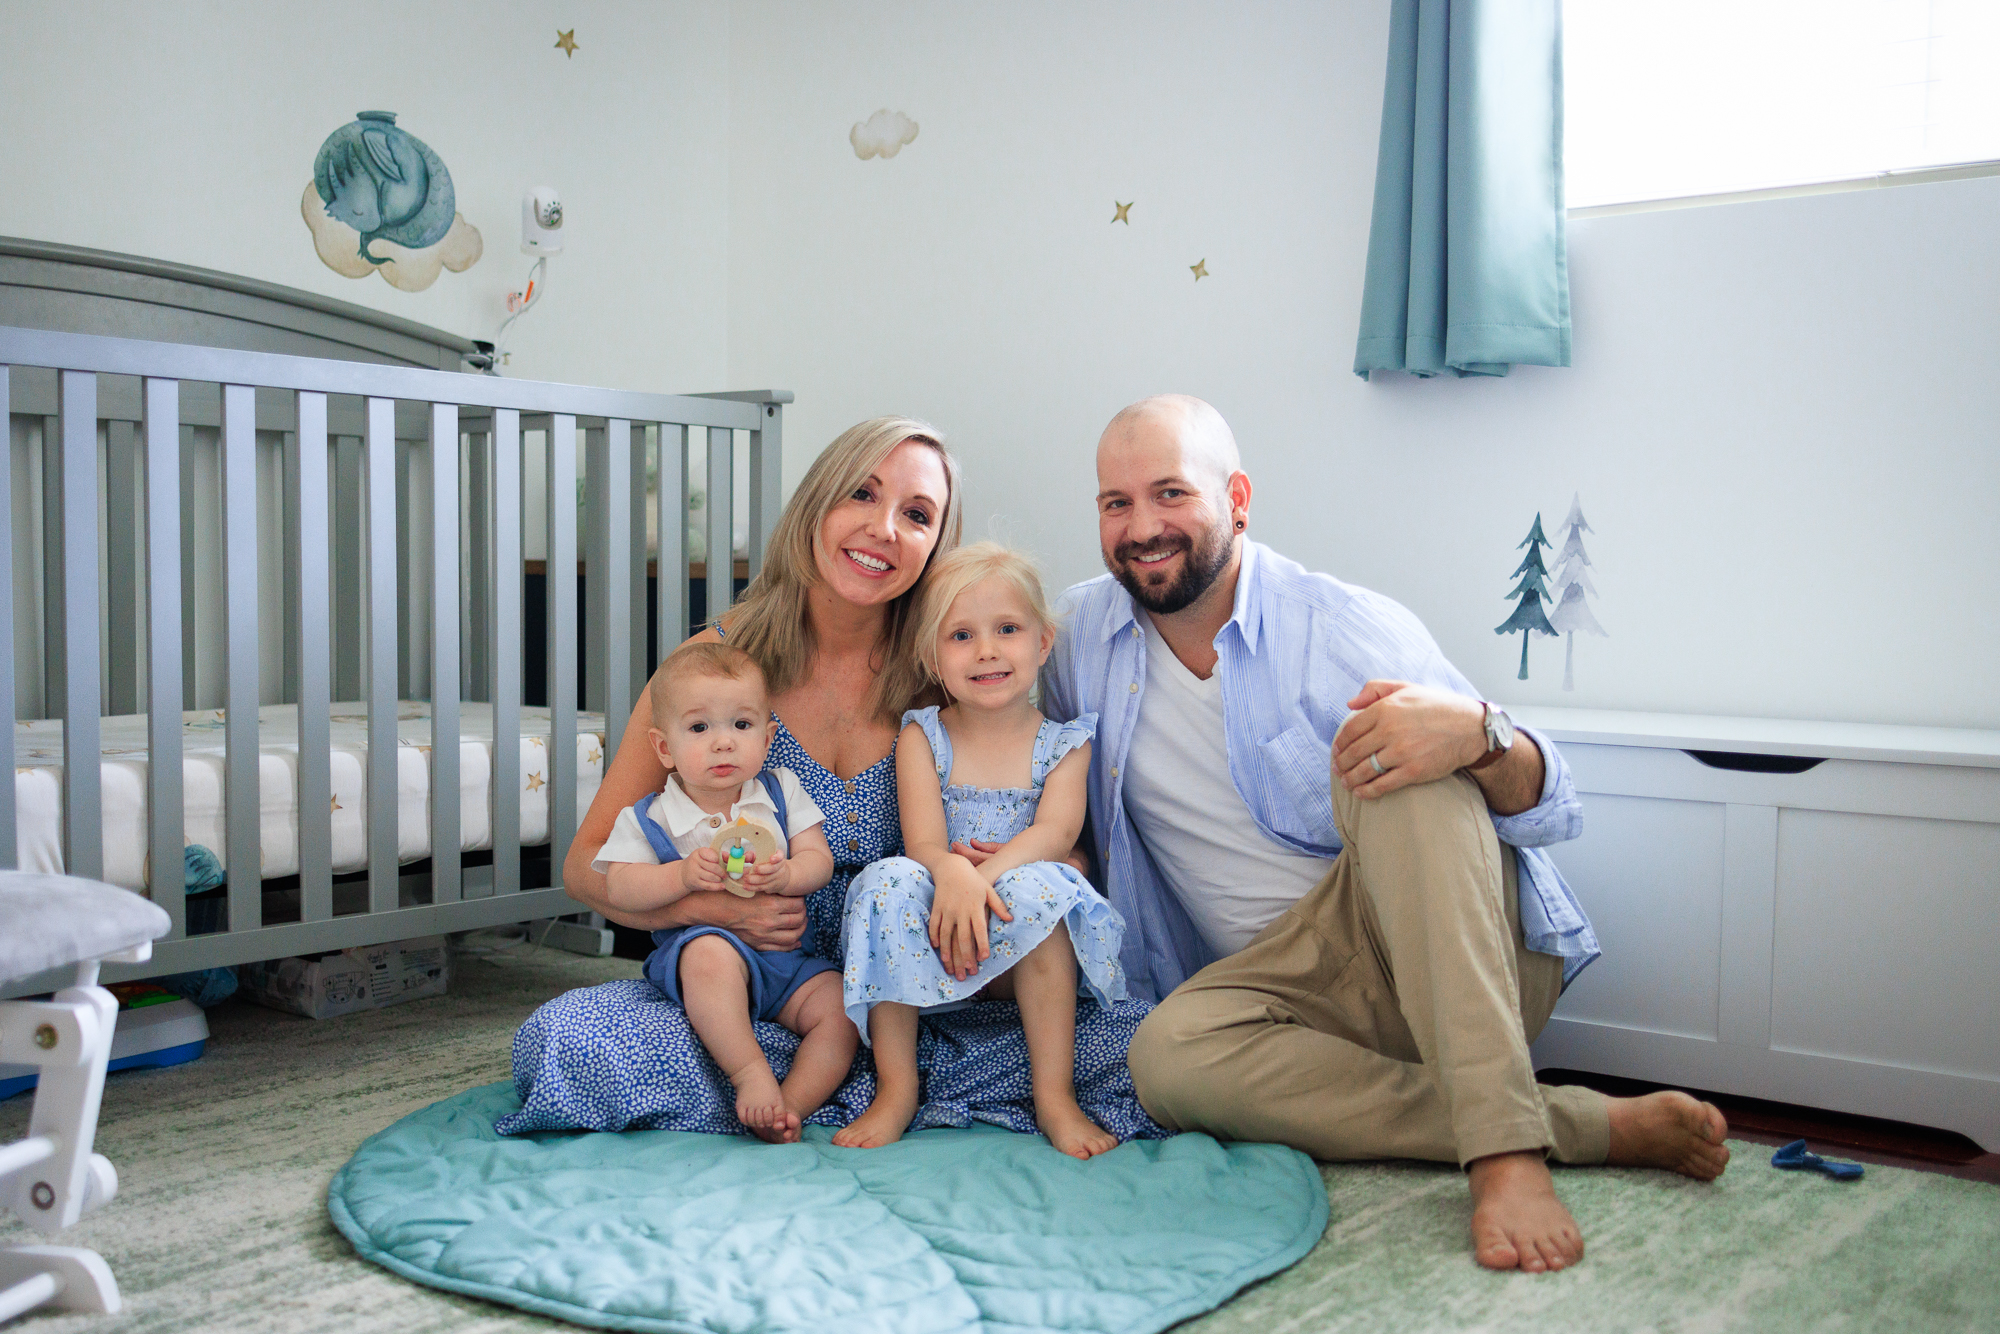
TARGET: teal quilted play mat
(948,1231)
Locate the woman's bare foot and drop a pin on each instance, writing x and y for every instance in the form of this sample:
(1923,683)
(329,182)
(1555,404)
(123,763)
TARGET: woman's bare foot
(1517,1221)
(1668,1130)
(883,1123)
(1073,1132)
(760,1106)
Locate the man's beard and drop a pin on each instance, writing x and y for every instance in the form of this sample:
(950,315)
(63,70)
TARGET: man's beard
(1207,555)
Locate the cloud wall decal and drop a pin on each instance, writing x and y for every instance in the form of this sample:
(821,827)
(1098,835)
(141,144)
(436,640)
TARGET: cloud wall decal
(882,134)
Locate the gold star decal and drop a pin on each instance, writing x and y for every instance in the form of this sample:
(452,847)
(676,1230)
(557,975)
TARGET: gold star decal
(536,783)
(594,757)
(336,804)
(566,42)
(1200,269)
(1123,209)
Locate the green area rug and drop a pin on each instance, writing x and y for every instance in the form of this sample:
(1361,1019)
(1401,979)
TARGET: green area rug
(221,1224)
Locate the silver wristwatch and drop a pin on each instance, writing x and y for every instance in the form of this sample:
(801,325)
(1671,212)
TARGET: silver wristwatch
(1499,735)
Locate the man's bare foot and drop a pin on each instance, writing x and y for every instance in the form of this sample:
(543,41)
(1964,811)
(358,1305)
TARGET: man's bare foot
(1517,1221)
(1669,1130)
(761,1107)
(883,1123)
(1073,1132)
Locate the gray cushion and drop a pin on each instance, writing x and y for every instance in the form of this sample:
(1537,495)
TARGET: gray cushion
(47,921)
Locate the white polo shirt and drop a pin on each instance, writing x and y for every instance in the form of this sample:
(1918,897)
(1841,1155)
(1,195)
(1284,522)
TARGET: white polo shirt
(690,828)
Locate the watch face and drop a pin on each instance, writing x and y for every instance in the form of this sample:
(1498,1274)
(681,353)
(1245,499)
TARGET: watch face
(1499,730)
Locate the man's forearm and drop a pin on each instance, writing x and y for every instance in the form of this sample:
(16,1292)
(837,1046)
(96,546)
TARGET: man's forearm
(1514,783)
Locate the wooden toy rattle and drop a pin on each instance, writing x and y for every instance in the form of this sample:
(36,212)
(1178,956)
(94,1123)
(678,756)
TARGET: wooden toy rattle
(733,842)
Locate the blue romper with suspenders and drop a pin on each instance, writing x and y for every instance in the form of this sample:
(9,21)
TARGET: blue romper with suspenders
(774,974)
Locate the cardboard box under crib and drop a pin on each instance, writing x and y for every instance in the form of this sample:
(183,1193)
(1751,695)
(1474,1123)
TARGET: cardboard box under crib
(320,986)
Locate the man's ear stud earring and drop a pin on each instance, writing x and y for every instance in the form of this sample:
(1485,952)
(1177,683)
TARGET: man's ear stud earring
(1239,525)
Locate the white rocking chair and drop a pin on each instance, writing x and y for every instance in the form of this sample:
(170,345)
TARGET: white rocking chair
(51,1178)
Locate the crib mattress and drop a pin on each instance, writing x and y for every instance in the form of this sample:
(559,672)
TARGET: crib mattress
(38,760)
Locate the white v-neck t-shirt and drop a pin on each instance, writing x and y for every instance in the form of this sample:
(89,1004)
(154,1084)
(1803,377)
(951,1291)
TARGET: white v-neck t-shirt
(1232,879)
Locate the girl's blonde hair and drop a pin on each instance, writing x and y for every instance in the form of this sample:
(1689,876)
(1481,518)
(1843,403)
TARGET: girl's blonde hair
(771,623)
(952,574)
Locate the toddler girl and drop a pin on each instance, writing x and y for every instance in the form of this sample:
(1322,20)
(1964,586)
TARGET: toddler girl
(986,768)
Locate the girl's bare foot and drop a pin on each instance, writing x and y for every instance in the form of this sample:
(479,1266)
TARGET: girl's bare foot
(883,1123)
(1073,1132)
(761,1107)
(1668,1130)
(1517,1221)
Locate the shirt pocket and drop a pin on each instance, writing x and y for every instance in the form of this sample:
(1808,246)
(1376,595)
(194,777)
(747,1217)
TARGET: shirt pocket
(1297,773)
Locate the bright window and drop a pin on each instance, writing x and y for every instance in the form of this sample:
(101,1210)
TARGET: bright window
(1667,98)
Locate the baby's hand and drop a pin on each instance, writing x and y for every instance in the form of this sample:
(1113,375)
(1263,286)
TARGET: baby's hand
(767,877)
(704,870)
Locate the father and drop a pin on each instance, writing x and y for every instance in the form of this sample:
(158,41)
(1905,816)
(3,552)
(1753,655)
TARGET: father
(1293,787)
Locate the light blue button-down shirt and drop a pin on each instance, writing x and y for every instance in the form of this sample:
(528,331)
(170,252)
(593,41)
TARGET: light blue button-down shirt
(1298,647)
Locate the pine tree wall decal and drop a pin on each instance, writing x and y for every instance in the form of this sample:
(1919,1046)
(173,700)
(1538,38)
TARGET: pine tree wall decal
(1528,615)
(1572,612)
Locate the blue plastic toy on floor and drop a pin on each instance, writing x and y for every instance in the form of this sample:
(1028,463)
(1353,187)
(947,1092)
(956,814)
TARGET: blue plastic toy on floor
(1795,1157)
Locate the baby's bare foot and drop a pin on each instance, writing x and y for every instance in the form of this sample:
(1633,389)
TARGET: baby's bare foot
(883,1123)
(1073,1132)
(1668,1130)
(1517,1221)
(761,1107)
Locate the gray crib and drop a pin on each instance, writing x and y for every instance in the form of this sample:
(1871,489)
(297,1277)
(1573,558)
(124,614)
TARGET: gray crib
(390,567)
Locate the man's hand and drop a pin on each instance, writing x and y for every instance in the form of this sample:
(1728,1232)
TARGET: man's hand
(1417,734)
(702,869)
(769,922)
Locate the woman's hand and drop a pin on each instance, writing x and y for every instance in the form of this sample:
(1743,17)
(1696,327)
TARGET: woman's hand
(768,922)
(767,877)
(704,870)
(958,917)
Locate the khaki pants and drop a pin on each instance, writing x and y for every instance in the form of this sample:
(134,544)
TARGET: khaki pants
(1387,1014)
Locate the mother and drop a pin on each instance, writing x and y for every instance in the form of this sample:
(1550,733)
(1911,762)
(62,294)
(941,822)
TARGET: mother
(830,619)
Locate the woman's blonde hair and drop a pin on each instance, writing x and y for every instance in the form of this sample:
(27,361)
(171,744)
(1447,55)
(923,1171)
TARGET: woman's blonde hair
(771,623)
(952,574)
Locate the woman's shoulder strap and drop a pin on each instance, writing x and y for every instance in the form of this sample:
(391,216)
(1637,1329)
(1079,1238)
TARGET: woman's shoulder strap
(934,733)
(1055,740)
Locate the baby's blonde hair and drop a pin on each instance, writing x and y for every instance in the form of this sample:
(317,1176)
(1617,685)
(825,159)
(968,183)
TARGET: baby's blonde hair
(958,570)
(694,660)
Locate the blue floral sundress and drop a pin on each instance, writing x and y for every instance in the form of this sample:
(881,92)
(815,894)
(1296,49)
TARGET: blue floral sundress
(620,1055)
(886,934)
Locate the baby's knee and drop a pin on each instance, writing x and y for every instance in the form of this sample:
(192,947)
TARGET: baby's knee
(708,960)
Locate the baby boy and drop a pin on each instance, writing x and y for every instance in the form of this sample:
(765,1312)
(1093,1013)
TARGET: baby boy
(712,725)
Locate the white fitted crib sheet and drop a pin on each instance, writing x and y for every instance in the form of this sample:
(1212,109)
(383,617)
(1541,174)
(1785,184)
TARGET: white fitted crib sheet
(38,760)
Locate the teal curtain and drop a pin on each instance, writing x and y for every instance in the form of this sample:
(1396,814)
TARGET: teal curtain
(1467,266)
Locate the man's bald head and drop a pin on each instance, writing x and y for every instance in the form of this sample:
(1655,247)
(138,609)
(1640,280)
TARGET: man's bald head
(1207,444)
(1171,500)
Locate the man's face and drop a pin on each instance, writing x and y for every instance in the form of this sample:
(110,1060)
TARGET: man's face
(1163,518)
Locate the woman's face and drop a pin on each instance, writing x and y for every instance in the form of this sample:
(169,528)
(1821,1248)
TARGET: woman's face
(873,545)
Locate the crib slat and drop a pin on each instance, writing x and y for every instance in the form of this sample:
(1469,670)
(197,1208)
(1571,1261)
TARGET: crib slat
(479,565)
(242,802)
(617,577)
(561,583)
(121,564)
(635,562)
(767,482)
(166,821)
(315,615)
(9,856)
(445,794)
(672,568)
(721,508)
(379,447)
(505,650)
(83,774)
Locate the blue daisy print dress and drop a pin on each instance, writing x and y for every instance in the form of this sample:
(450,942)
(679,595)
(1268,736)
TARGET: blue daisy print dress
(885,934)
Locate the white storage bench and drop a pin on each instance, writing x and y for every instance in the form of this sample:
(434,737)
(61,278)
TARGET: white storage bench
(1828,937)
